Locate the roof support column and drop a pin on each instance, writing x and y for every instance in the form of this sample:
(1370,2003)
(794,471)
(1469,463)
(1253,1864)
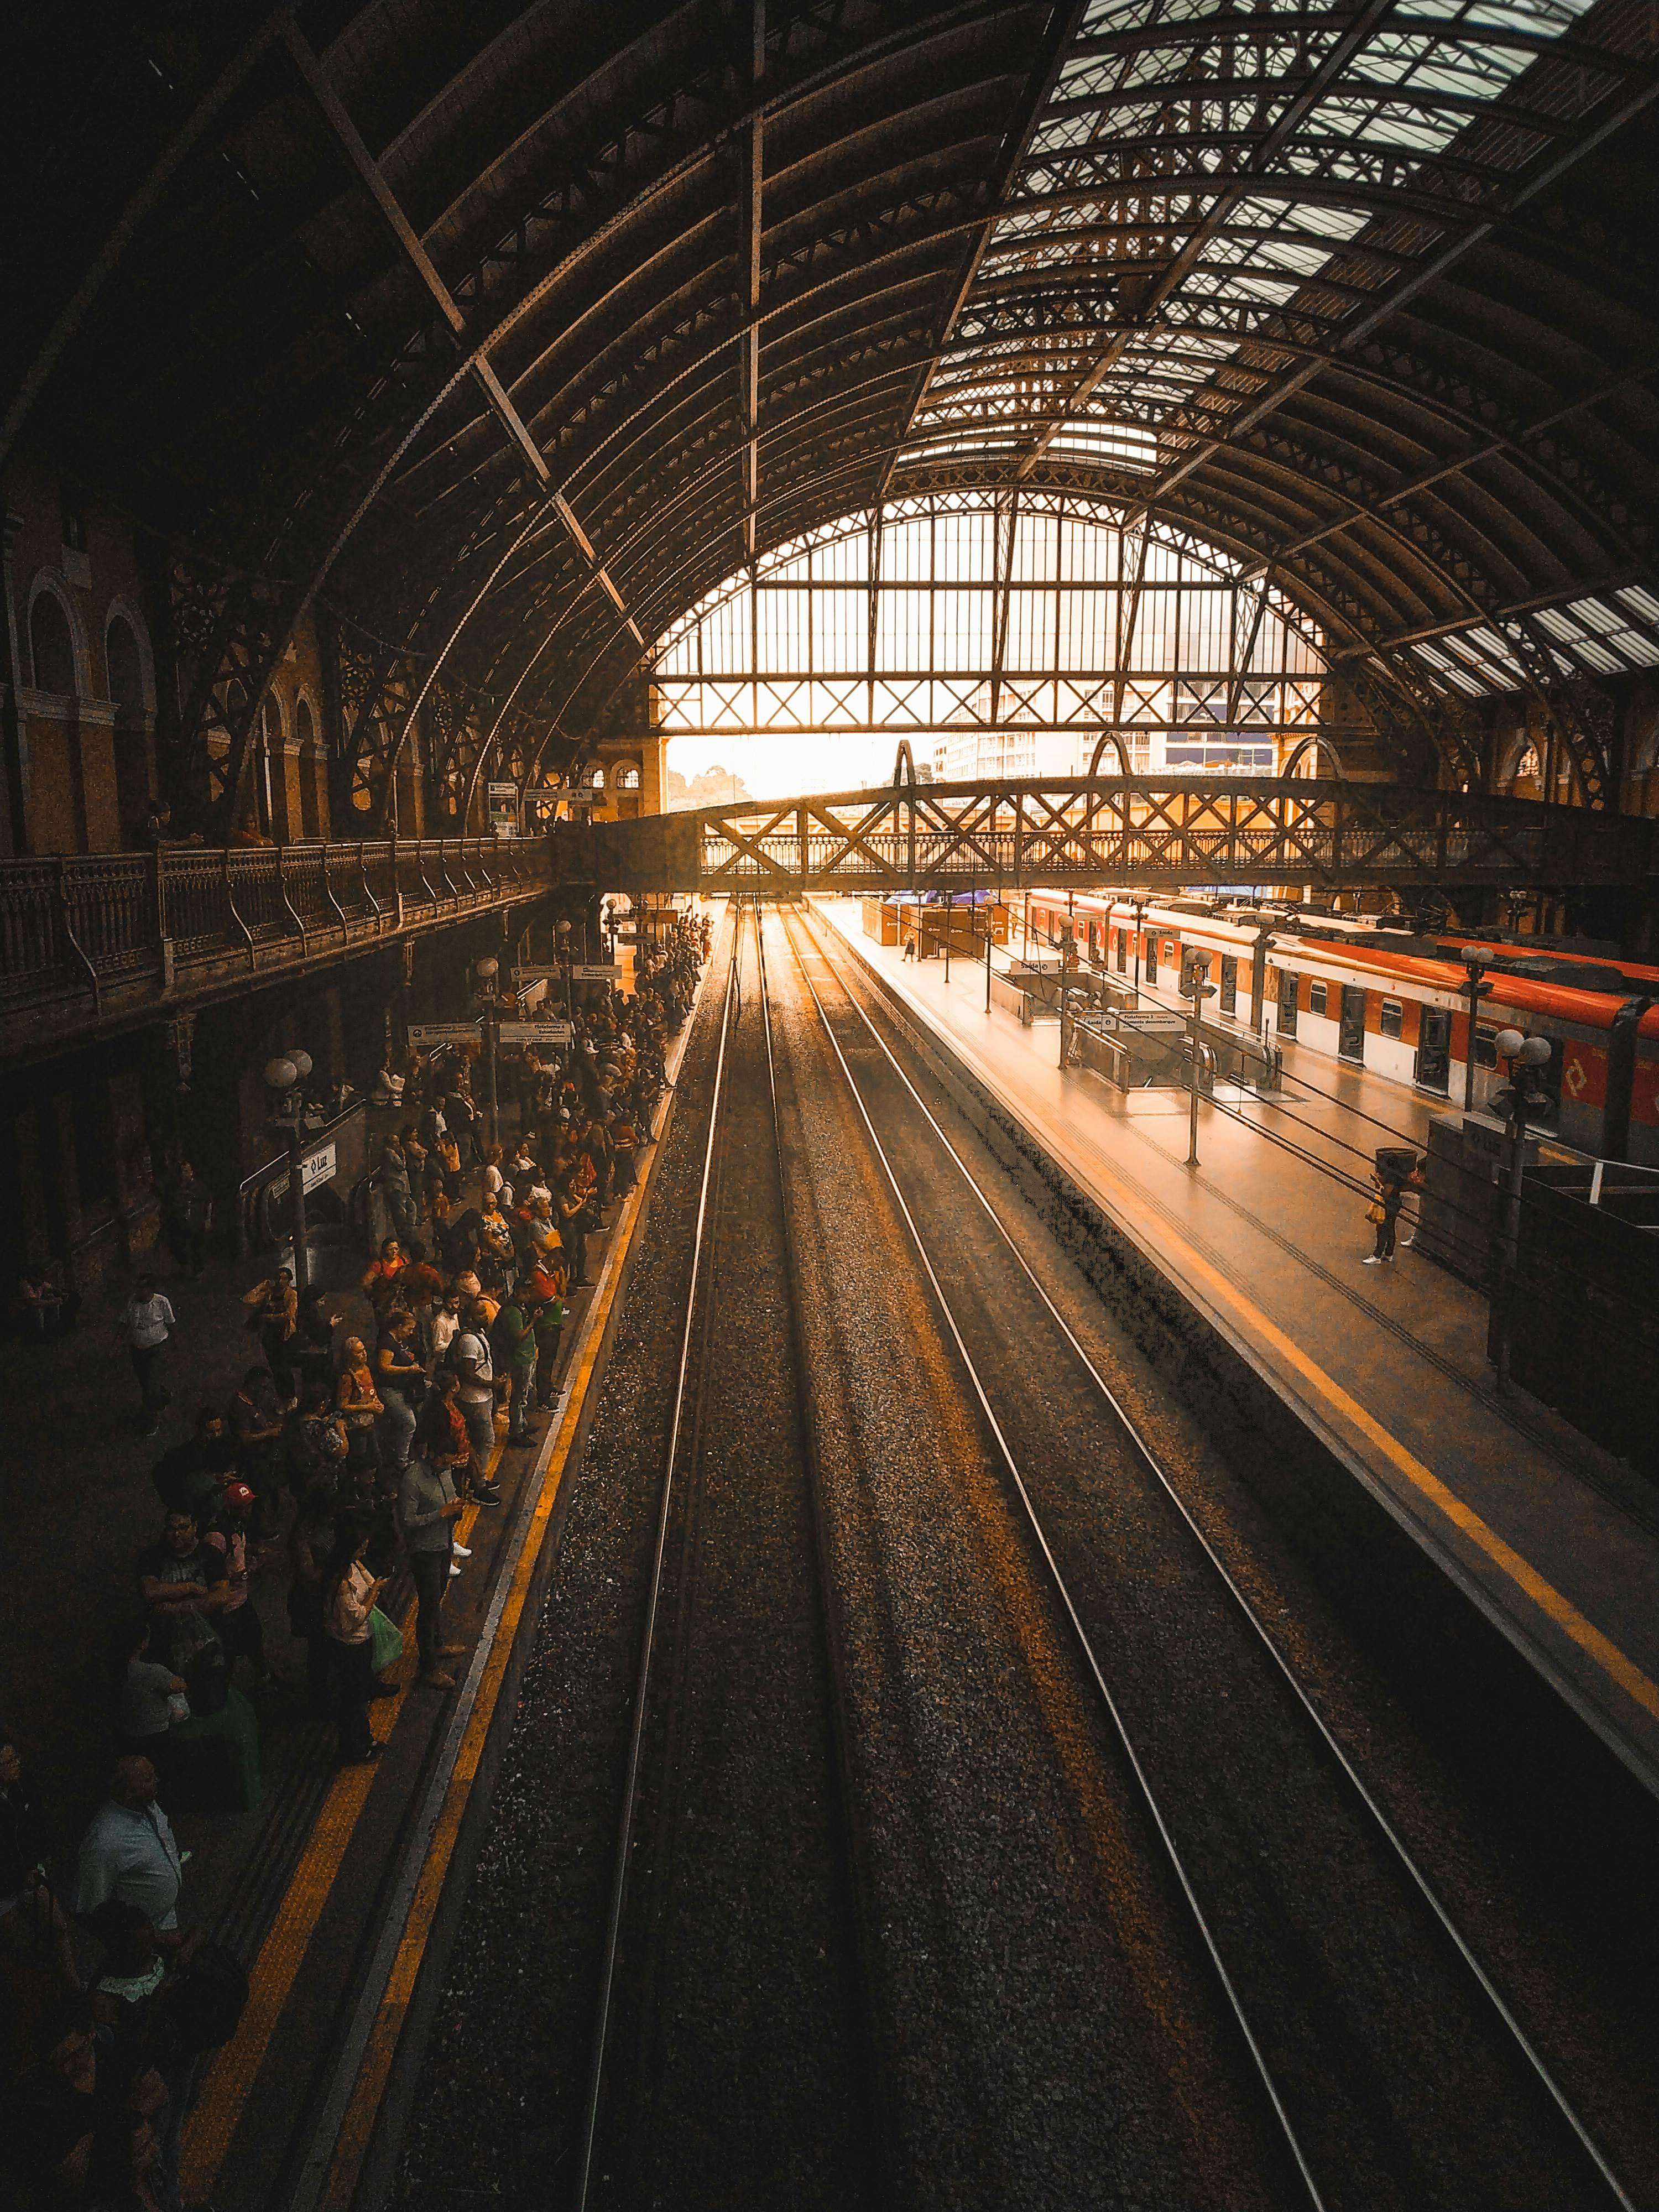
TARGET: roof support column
(753,208)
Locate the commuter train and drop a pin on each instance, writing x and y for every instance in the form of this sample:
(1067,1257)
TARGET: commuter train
(1382,997)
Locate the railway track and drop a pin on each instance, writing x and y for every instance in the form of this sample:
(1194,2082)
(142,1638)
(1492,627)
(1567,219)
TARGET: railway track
(729,2007)
(957,1834)
(1395,2069)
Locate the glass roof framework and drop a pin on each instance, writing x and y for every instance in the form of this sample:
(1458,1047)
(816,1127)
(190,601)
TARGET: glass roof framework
(1209,197)
(1038,610)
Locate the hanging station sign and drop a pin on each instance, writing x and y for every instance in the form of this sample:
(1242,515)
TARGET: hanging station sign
(421,1034)
(535,1033)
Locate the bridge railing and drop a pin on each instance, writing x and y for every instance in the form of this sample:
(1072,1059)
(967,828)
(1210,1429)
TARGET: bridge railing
(92,933)
(1161,832)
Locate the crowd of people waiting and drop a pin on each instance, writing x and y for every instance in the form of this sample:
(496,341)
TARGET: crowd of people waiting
(342,1460)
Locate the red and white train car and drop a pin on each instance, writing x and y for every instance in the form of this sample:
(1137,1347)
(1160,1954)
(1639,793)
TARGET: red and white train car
(1400,1010)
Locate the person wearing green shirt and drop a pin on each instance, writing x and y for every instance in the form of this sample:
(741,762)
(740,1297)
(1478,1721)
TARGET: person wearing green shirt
(512,1342)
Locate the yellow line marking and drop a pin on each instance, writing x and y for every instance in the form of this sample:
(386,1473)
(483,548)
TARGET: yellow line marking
(224,2091)
(358,2126)
(1636,1686)
(356,2129)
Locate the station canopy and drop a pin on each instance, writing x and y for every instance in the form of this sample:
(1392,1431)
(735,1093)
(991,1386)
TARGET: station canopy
(502,335)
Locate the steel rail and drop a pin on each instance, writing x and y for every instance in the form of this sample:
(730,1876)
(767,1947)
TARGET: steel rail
(1235,2001)
(636,1737)
(1420,1880)
(858,1885)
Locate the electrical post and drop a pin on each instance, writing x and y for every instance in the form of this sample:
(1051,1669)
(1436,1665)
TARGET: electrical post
(486,970)
(283,1076)
(1524,1054)
(1476,959)
(1199,990)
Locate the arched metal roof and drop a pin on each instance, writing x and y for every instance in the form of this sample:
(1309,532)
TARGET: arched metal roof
(500,333)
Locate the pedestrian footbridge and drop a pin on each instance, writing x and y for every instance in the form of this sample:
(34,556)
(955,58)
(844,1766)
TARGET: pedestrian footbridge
(1156,832)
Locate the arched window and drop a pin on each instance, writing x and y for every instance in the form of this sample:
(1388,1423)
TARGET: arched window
(127,667)
(269,789)
(628,777)
(50,647)
(596,779)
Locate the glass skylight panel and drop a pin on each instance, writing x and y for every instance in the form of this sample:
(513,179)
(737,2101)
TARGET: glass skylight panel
(1641,604)
(1596,616)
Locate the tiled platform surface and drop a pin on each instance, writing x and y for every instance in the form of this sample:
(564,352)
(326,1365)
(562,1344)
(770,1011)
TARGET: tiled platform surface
(1556,1541)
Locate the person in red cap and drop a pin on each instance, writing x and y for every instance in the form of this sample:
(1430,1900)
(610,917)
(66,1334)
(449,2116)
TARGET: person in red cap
(240,1630)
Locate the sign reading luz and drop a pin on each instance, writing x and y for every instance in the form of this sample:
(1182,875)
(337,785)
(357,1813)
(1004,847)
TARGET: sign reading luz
(318,1167)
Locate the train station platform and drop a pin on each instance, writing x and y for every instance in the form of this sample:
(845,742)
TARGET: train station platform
(1555,1541)
(324,1879)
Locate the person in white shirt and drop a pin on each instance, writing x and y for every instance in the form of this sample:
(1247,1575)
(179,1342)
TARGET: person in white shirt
(146,1321)
(129,1850)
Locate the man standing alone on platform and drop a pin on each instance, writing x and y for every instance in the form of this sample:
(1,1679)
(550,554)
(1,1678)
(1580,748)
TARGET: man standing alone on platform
(146,1321)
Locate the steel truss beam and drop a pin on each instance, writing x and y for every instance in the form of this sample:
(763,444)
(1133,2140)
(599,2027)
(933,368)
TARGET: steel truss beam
(1135,831)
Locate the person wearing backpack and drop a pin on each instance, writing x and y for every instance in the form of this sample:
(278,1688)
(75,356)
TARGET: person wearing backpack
(470,1356)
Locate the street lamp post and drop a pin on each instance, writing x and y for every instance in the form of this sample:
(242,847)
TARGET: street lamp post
(1476,959)
(284,1076)
(1198,989)
(1514,1098)
(486,970)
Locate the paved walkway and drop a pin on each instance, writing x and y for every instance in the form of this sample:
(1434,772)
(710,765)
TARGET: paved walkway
(1558,1541)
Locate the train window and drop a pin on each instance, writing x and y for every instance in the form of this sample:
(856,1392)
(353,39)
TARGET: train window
(1486,1045)
(1122,938)
(1392,1019)
(1229,985)
(1317,998)
(1151,962)
(1286,1002)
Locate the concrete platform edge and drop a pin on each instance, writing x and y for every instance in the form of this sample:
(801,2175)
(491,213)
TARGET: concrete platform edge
(372,2177)
(940,1049)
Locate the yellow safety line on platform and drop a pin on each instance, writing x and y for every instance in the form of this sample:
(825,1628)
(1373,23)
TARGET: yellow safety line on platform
(357,2129)
(358,2126)
(1584,1632)
(1596,1645)
(218,2107)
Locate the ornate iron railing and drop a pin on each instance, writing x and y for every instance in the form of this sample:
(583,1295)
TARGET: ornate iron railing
(93,935)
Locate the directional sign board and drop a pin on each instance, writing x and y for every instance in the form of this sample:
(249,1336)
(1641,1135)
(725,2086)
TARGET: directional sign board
(595,974)
(315,1167)
(537,974)
(535,1033)
(425,1033)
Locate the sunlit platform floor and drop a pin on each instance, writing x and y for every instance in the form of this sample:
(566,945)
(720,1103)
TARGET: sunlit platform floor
(1554,1539)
